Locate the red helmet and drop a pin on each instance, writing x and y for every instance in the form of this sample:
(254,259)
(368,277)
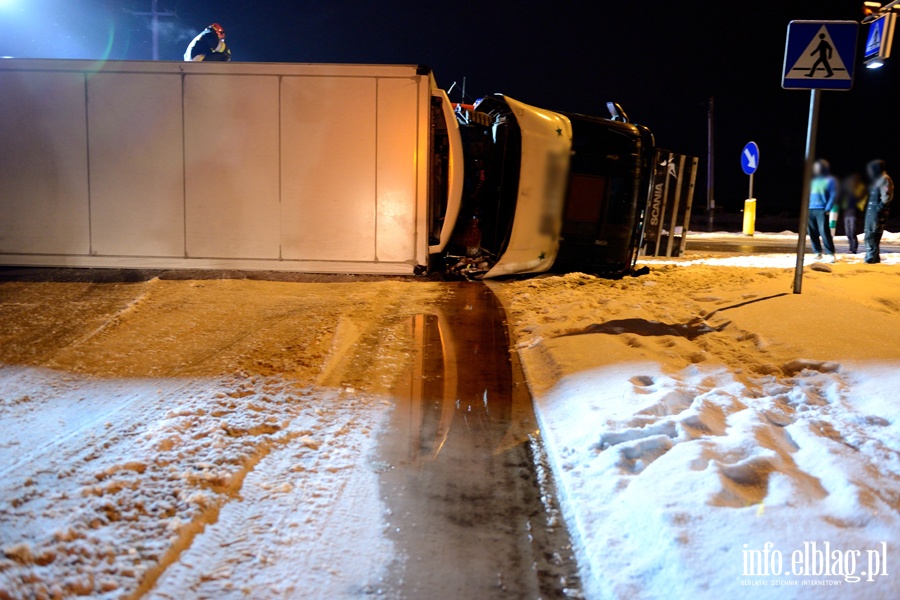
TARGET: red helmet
(218,29)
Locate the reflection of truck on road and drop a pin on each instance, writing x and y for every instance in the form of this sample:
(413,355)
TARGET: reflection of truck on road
(317,168)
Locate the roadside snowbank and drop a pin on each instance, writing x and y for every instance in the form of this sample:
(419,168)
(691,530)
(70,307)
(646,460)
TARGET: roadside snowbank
(695,414)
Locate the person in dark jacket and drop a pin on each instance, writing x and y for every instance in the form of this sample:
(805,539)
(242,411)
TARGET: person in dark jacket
(853,202)
(209,45)
(822,196)
(881,194)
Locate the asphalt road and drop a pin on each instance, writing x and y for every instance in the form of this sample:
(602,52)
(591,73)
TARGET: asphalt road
(471,509)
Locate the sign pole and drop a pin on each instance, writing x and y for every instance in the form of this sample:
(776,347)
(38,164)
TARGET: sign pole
(749,164)
(811,133)
(710,172)
(818,55)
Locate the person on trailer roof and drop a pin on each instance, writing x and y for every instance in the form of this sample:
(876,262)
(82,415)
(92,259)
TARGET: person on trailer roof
(209,45)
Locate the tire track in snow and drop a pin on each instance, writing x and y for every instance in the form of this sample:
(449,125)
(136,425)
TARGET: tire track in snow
(345,499)
(277,537)
(209,516)
(42,451)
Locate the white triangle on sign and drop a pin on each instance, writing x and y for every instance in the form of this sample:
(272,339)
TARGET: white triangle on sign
(819,58)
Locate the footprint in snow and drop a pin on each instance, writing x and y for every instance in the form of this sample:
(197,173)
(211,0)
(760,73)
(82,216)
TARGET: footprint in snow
(804,364)
(641,381)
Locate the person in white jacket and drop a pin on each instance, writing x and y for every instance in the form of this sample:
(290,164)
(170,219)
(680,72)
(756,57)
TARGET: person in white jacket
(209,45)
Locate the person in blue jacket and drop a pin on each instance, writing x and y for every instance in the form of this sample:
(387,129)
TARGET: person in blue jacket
(822,196)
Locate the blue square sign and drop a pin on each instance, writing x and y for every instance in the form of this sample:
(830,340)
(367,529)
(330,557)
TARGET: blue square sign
(819,55)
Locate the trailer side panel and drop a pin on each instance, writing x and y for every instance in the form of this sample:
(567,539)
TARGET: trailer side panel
(196,165)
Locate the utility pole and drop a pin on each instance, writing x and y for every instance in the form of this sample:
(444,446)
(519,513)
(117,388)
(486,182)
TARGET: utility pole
(710,179)
(154,15)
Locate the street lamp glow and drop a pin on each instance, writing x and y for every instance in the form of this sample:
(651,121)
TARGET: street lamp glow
(875,64)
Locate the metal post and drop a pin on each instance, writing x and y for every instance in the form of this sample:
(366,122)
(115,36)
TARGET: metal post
(811,131)
(750,195)
(710,140)
(675,207)
(690,204)
(663,205)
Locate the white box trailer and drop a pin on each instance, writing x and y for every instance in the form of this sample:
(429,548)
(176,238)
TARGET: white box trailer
(301,167)
(321,168)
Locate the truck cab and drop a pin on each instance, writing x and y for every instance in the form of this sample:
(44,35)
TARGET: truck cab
(537,190)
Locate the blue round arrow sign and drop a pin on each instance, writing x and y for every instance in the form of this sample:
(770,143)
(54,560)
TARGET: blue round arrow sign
(750,158)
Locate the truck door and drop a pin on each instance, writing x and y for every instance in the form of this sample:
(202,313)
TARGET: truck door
(446,170)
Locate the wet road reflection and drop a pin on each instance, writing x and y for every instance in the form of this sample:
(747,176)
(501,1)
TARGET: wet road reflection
(470,513)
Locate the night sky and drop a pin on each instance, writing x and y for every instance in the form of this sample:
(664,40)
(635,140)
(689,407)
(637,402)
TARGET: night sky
(661,60)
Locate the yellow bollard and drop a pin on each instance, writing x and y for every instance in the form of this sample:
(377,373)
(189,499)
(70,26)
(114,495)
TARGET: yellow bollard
(750,216)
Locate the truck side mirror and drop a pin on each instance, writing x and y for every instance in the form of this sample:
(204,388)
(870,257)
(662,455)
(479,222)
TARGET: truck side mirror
(616,112)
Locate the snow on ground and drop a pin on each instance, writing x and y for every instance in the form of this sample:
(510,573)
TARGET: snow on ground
(759,235)
(762,261)
(196,438)
(888,236)
(695,414)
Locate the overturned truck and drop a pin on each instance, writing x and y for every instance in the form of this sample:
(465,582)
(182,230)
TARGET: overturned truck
(316,168)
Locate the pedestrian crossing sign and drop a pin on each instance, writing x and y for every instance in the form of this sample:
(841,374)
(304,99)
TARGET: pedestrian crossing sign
(879,38)
(819,55)
(876,35)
